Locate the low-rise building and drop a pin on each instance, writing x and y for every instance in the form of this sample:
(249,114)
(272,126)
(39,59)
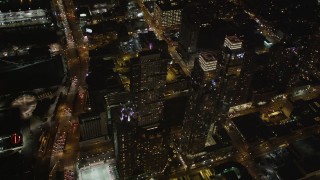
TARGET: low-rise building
(92,126)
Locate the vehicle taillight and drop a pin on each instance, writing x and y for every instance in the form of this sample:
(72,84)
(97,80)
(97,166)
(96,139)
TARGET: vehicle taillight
(15,139)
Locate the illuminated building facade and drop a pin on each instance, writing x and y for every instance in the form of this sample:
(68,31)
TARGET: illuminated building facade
(201,109)
(233,59)
(152,149)
(148,78)
(138,150)
(125,142)
(232,42)
(208,63)
(141,143)
(167,15)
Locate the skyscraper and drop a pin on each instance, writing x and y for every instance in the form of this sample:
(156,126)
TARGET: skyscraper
(233,58)
(215,86)
(148,75)
(125,142)
(142,144)
(169,14)
(201,108)
(194,17)
(152,149)
(203,26)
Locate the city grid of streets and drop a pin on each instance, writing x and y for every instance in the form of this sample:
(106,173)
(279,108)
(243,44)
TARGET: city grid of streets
(76,54)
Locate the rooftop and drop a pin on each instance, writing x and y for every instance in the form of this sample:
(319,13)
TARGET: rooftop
(99,170)
(88,116)
(110,49)
(23,18)
(175,73)
(307,152)
(252,127)
(233,39)
(103,27)
(108,81)
(308,110)
(229,170)
(208,56)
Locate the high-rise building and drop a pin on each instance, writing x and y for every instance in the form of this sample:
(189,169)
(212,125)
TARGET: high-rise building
(208,62)
(168,15)
(125,142)
(233,55)
(141,143)
(152,149)
(233,59)
(192,17)
(201,108)
(203,26)
(148,78)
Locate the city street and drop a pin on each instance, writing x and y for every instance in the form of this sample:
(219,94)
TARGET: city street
(72,105)
(252,97)
(77,59)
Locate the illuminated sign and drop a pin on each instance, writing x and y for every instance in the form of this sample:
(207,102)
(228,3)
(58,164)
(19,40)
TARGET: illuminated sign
(15,139)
